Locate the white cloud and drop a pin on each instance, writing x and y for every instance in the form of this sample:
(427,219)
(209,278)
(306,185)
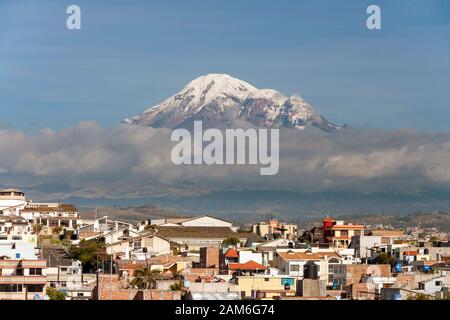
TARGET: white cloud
(132,162)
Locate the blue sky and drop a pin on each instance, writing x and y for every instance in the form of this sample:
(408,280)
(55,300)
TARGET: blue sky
(130,55)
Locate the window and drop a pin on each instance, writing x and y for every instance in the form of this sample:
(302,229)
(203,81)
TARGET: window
(80,294)
(35,271)
(10,288)
(294,268)
(17,237)
(333,260)
(19,272)
(438,283)
(34,287)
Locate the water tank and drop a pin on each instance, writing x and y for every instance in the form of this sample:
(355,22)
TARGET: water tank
(310,270)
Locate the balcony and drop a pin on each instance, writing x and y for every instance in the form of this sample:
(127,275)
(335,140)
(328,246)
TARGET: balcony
(14,279)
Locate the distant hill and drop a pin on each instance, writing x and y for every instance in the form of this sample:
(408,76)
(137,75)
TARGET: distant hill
(131,214)
(439,220)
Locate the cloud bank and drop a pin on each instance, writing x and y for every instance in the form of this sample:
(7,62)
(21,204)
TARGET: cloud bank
(134,162)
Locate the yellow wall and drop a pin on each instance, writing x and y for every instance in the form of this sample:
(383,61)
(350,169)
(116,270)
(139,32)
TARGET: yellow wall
(248,283)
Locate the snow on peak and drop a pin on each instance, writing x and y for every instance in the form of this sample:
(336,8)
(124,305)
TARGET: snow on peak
(216,97)
(209,87)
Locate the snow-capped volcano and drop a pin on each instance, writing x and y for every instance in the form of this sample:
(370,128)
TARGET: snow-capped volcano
(220,100)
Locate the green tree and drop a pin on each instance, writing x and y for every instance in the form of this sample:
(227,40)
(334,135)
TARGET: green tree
(176,286)
(56,230)
(143,277)
(231,241)
(90,253)
(384,258)
(37,228)
(54,294)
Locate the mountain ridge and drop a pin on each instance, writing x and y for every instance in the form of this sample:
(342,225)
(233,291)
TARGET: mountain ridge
(220,100)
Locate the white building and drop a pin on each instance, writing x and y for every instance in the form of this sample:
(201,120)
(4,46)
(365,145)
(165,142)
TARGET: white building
(17,250)
(202,221)
(17,229)
(248,255)
(11,201)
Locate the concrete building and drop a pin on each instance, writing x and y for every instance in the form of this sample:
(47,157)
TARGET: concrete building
(11,201)
(52,215)
(296,263)
(364,245)
(274,227)
(341,233)
(207,221)
(138,246)
(271,286)
(22,279)
(194,238)
(17,250)
(15,228)
(71,280)
(209,257)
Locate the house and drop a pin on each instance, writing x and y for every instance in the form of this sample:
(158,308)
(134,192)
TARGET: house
(194,238)
(246,268)
(340,234)
(409,256)
(138,246)
(17,250)
(229,256)
(210,291)
(313,235)
(274,227)
(11,201)
(363,245)
(71,280)
(102,226)
(296,263)
(22,279)
(411,284)
(242,261)
(361,273)
(15,228)
(435,284)
(110,287)
(271,286)
(51,215)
